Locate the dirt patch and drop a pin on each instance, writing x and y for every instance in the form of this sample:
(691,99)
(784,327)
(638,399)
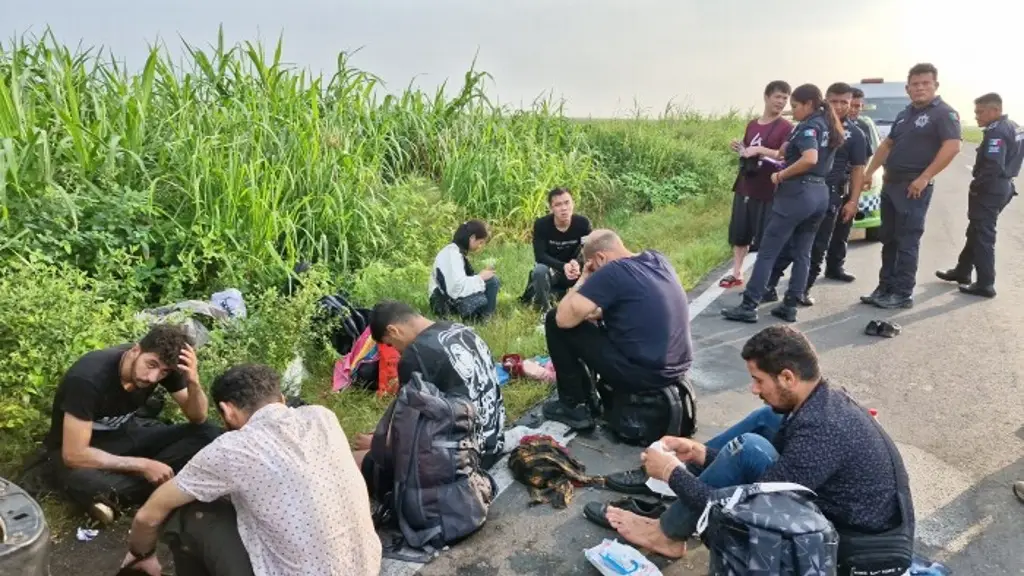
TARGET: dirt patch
(101,556)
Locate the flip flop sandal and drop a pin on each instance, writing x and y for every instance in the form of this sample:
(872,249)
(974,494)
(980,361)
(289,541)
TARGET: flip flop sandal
(730,281)
(597,512)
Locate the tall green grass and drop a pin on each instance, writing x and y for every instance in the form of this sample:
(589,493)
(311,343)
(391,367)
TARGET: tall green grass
(124,188)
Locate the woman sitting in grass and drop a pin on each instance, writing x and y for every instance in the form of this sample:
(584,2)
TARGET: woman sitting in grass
(454,287)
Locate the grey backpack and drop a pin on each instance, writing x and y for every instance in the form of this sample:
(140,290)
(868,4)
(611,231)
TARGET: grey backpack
(440,493)
(768,529)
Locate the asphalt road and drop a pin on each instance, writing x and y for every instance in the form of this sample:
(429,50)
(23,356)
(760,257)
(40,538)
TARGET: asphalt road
(948,390)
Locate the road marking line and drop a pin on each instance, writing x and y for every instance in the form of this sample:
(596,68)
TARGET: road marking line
(700,303)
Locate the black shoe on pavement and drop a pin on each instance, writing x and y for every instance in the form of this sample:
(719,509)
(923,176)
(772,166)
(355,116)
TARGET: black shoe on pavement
(840,275)
(893,301)
(745,312)
(629,482)
(577,417)
(952,275)
(597,512)
(976,289)
(875,296)
(787,310)
(770,295)
(805,300)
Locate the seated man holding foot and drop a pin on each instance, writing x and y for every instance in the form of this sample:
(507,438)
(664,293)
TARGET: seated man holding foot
(824,442)
(103,454)
(627,320)
(278,494)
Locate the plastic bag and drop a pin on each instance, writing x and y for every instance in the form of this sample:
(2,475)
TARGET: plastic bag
(612,558)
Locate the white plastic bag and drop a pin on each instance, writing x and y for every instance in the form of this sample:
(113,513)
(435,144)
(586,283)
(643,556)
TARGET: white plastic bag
(659,486)
(612,558)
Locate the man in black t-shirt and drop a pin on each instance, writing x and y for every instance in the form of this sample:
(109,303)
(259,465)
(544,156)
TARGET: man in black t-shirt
(643,343)
(557,240)
(448,355)
(104,454)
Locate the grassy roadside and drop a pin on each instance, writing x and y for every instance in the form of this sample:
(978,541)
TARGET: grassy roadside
(972,134)
(122,191)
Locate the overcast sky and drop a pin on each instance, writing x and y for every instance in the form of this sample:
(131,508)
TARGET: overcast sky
(602,56)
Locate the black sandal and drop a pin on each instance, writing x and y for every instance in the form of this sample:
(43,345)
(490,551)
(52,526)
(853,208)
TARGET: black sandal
(883,328)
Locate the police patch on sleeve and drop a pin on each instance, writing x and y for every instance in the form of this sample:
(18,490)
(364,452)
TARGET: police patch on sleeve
(810,132)
(994,145)
(954,116)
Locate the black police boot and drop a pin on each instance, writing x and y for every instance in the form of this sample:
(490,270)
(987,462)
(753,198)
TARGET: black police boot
(771,295)
(787,310)
(875,296)
(576,417)
(840,275)
(953,275)
(893,301)
(976,289)
(745,312)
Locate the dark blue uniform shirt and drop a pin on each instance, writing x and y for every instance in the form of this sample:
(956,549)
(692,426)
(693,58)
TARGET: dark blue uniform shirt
(999,154)
(831,446)
(863,125)
(917,134)
(853,152)
(811,134)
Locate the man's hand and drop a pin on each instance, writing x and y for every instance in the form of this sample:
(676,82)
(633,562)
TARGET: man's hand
(150,565)
(363,441)
(752,151)
(868,178)
(156,472)
(571,270)
(736,145)
(487,274)
(917,187)
(188,365)
(685,449)
(849,211)
(659,464)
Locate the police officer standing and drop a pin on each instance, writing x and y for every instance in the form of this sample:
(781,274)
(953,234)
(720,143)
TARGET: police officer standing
(923,140)
(997,164)
(848,167)
(801,199)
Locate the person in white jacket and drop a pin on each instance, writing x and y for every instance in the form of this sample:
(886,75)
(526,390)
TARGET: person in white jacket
(454,287)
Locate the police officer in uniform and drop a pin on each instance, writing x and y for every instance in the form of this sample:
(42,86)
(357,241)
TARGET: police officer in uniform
(997,164)
(924,139)
(801,199)
(848,167)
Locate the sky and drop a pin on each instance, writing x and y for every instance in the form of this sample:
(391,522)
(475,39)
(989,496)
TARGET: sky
(603,57)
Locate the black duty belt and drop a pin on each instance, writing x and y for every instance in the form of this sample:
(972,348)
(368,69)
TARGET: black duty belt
(810,179)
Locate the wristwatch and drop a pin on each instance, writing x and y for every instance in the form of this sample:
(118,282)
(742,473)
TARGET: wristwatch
(140,557)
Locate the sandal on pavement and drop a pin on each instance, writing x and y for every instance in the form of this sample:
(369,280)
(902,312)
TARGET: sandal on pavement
(730,281)
(597,512)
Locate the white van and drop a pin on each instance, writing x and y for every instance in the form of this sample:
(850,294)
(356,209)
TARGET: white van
(883,101)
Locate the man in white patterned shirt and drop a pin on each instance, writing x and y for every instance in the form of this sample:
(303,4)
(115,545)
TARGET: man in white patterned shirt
(302,506)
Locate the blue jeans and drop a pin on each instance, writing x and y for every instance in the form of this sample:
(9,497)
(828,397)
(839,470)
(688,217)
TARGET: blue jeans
(764,422)
(481,305)
(742,460)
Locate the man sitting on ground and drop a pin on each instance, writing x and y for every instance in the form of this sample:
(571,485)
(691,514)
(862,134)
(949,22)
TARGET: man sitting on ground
(448,355)
(825,442)
(643,342)
(104,456)
(557,240)
(297,504)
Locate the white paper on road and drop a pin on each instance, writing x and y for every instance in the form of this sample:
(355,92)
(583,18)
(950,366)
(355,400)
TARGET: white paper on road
(659,486)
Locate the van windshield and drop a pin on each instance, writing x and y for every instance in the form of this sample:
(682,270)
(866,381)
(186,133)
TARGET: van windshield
(884,110)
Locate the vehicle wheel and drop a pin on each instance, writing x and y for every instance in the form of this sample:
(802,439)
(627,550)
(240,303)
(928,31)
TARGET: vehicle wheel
(873,234)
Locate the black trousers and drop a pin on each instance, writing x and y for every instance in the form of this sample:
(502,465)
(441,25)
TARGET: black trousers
(979,253)
(835,258)
(204,540)
(574,350)
(902,226)
(173,445)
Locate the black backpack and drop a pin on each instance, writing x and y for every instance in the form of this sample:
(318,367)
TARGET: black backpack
(641,417)
(428,442)
(341,321)
(768,529)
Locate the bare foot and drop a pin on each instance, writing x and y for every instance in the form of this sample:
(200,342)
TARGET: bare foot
(644,532)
